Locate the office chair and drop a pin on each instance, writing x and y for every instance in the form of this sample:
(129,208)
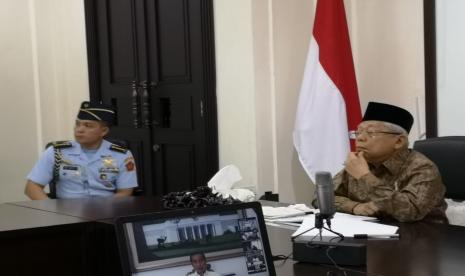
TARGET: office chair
(448,153)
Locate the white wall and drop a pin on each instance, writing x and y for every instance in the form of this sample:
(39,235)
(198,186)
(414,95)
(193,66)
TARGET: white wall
(17,106)
(292,23)
(387,43)
(450,60)
(261,46)
(43,74)
(235,87)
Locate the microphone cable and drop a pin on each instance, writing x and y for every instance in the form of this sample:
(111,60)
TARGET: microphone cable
(282,258)
(344,270)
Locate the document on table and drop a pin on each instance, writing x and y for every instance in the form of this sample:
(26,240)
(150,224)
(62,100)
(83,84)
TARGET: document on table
(349,226)
(286,217)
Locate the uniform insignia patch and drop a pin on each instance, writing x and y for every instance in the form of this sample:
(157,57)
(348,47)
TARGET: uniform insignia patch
(61,144)
(129,163)
(117,148)
(130,166)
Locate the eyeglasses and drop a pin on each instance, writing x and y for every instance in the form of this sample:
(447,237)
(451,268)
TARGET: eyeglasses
(353,134)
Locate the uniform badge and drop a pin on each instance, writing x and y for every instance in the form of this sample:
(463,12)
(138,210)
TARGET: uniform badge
(103,176)
(108,162)
(108,184)
(108,170)
(108,165)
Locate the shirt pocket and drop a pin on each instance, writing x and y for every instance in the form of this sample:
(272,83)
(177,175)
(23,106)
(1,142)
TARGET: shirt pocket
(108,177)
(70,172)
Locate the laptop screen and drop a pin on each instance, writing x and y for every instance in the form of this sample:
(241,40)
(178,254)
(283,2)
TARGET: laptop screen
(223,240)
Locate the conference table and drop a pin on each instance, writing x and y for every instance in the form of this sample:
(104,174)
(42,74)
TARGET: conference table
(76,237)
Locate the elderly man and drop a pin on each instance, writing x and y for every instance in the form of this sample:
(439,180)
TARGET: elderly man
(87,167)
(383,177)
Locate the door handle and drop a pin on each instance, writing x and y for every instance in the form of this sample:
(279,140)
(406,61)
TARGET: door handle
(140,103)
(145,105)
(135,105)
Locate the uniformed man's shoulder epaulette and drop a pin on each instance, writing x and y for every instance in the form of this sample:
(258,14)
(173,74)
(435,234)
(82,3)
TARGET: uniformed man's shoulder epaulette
(60,144)
(118,148)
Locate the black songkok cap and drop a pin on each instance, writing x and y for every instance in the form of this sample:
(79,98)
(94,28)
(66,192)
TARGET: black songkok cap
(388,113)
(96,112)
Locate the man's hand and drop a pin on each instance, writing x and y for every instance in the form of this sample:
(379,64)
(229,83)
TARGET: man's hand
(356,165)
(124,192)
(366,209)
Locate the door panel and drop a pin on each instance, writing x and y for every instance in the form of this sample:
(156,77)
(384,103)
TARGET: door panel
(117,45)
(178,158)
(120,29)
(174,113)
(173,26)
(153,60)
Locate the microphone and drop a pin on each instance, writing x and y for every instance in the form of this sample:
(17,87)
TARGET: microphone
(325,198)
(325,194)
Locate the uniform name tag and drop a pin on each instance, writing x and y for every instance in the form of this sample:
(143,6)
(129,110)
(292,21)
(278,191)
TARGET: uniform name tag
(71,168)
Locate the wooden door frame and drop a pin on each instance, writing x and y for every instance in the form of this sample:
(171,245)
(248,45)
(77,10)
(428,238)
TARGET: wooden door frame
(90,11)
(431,106)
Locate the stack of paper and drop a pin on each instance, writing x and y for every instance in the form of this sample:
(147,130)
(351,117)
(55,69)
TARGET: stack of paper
(285,212)
(291,215)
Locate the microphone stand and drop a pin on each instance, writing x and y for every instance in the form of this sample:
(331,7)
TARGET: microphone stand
(319,224)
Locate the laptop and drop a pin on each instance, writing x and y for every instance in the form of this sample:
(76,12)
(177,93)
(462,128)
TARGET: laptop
(227,240)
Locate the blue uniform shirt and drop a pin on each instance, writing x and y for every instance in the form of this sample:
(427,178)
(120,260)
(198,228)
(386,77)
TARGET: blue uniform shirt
(106,171)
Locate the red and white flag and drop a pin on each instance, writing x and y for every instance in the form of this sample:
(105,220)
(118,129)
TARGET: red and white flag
(328,103)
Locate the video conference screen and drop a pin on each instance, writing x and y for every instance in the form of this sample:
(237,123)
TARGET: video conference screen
(226,243)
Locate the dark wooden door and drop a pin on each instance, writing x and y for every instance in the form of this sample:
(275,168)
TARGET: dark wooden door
(154,61)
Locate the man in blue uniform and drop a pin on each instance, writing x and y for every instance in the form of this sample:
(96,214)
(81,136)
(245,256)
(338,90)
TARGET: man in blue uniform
(87,167)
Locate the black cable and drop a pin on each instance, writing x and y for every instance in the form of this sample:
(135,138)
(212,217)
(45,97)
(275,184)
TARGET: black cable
(281,257)
(340,239)
(344,270)
(309,243)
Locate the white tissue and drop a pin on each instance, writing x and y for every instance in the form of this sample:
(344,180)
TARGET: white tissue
(222,182)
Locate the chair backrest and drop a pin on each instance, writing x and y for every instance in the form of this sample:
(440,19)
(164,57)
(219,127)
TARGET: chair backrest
(448,153)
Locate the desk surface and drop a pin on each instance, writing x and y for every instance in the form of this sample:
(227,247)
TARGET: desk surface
(14,218)
(423,248)
(96,208)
